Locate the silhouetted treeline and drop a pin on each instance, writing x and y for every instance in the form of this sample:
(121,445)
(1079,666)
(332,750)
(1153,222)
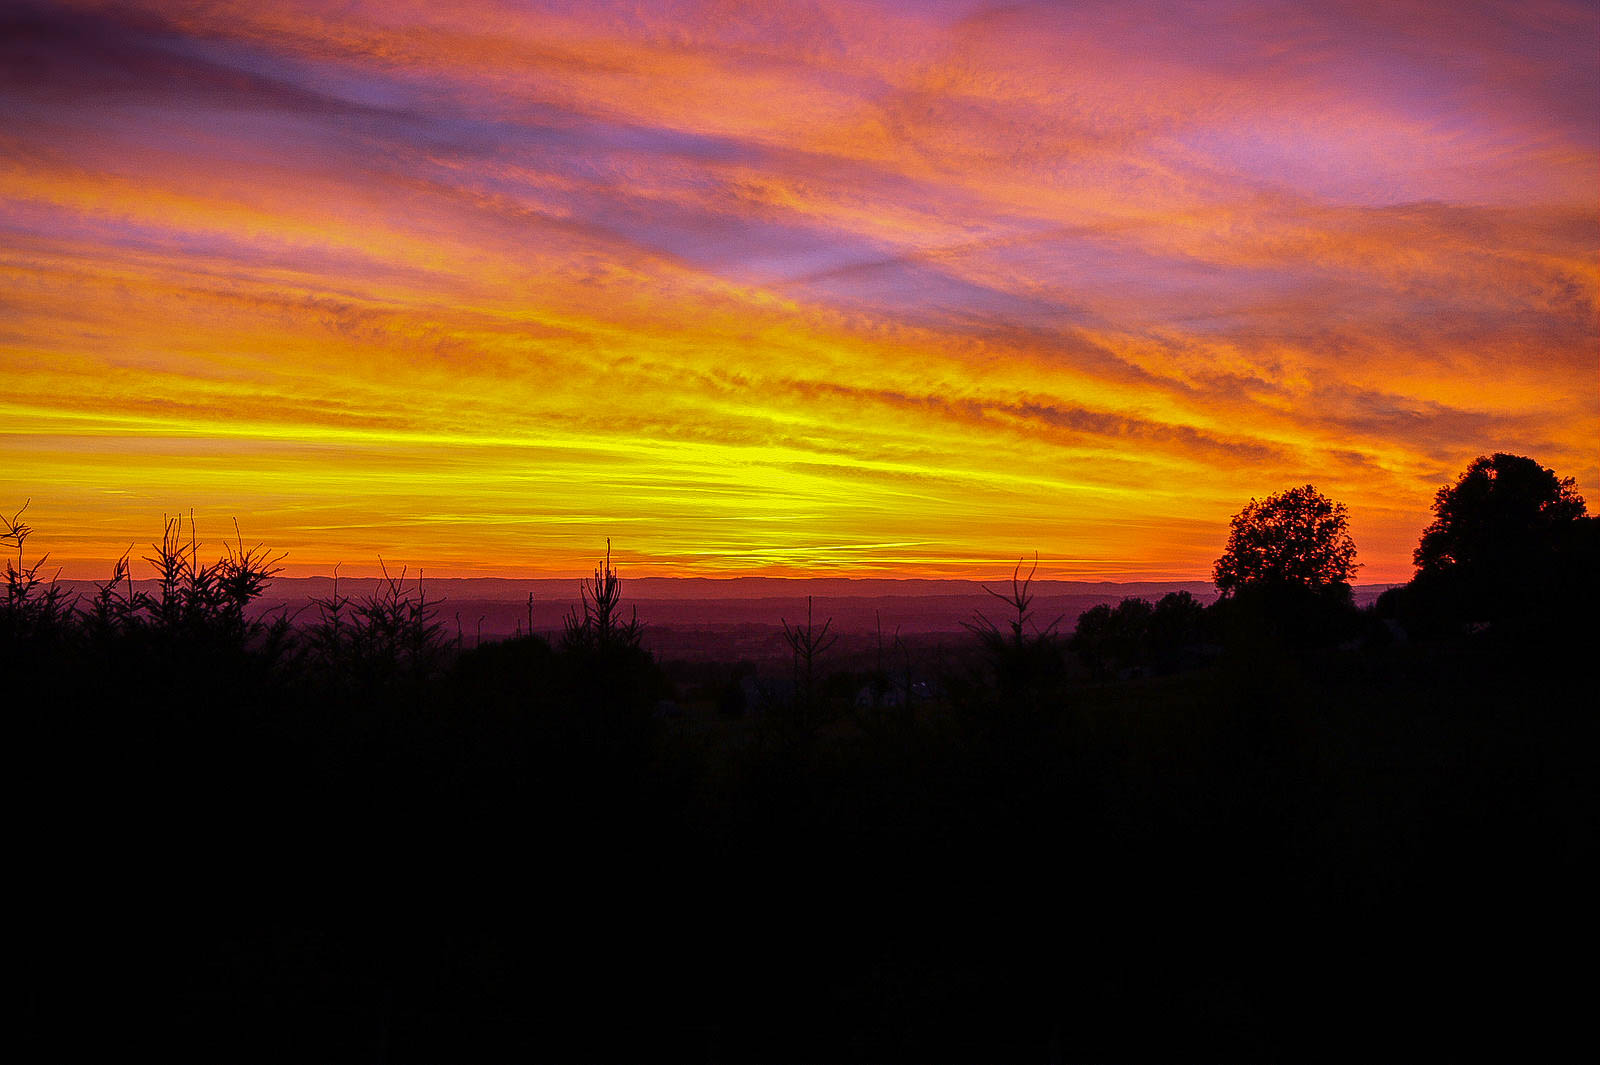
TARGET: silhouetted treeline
(1273,828)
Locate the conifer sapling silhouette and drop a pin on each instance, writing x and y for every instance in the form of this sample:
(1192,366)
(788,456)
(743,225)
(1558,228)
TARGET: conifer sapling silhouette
(807,643)
(33,606)
(600,627)
(392,631)
(197,600)
(1019,599)
(1023,654)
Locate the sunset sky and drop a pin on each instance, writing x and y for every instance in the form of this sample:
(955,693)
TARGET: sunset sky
(846,288)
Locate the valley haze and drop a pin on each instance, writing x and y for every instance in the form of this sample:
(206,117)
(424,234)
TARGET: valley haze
(700,606)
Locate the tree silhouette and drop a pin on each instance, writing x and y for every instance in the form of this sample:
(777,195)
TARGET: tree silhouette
(1177,622)
(1295,538)
(1135,635)
(1109,639)
(601,628)
(612,678)
(1497,535)
(808,643)
(1025,658)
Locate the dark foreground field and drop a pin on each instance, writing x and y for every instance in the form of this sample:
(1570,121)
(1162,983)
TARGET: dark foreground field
(1371,853)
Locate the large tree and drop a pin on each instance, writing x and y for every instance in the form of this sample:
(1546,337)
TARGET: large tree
(1298,538)
(1503,539)
(1499,510)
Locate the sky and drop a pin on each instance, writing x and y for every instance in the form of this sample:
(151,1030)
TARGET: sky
(854,288)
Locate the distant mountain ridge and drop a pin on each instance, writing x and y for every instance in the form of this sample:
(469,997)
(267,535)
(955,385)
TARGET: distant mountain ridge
(499,607)
(733,588)
(516,589)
